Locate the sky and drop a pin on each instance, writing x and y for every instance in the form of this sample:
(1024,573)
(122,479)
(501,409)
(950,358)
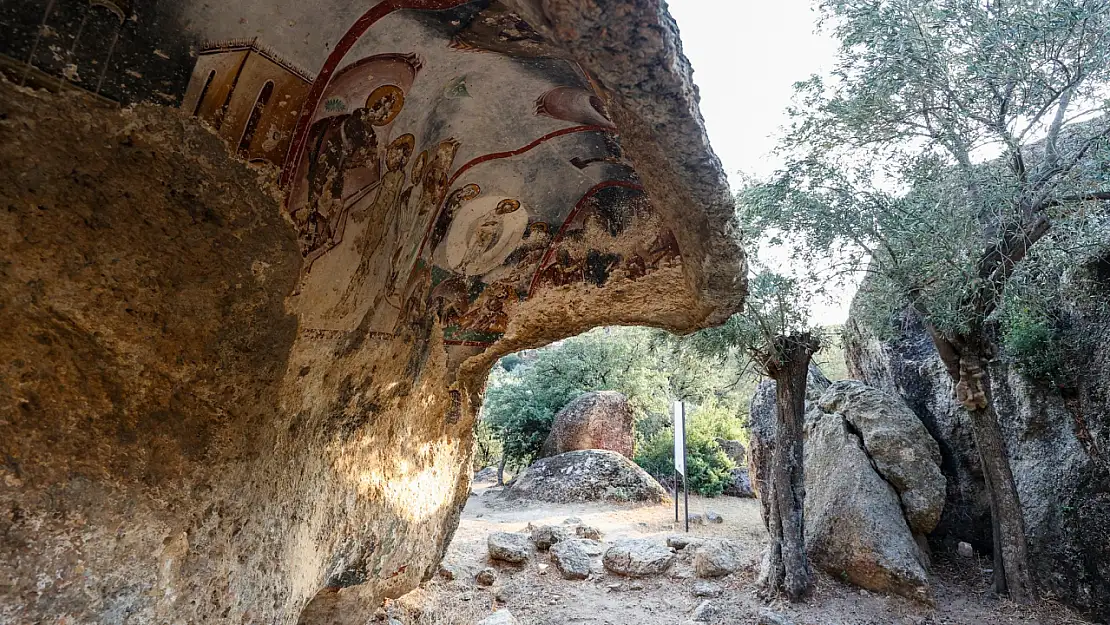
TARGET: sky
(747,55)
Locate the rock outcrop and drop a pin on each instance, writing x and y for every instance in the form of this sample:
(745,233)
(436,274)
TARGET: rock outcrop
(1056,439)
(861,506)
(229,393)
(588,475)
(903,452)
(594,420)
(854,523)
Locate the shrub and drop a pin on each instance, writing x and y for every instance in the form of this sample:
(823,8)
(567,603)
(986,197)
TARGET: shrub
(708,467)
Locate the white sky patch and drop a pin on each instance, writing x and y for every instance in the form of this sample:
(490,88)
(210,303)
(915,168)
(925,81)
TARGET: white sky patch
(747,55)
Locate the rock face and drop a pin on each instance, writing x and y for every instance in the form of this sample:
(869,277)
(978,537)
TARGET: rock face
(229,393)
(903,452)
(854,522)
(640,557)
(861,504)
(588,475)
(1056,442)
(595,420)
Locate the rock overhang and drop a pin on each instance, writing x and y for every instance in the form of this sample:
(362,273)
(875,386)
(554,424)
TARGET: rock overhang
(465,179)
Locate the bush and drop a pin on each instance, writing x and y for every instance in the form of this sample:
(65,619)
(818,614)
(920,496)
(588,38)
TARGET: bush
(1033,343)
(708,467)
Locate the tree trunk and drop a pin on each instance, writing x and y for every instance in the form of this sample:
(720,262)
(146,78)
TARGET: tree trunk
(501,470)
(785,565)
(1011,551)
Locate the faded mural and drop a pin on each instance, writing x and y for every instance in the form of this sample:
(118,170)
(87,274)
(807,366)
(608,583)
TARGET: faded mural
(402,214)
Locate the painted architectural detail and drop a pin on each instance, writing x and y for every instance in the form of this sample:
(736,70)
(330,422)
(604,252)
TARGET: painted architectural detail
(250,94)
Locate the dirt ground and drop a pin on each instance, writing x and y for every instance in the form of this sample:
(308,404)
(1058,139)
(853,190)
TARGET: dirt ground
(537,595)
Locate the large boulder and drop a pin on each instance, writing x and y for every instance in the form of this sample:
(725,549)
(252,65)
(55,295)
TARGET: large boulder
(854,523)
(900,447)
(1056,441)
(587,475)
(595,420)
(874,547)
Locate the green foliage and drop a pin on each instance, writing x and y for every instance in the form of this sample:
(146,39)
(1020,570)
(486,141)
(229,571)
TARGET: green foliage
(522,400)
(643,364)
(708,467)
(1033,342)
(487,446)
(887,160)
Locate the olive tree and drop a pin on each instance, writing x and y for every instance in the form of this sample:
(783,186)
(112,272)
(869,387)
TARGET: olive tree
(774,333)
(951,138)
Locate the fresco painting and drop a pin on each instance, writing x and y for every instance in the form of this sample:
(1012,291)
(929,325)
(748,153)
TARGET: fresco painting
(402,217)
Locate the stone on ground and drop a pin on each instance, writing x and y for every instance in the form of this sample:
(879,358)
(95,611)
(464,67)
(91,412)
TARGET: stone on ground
(486,577)
(638,557)
(854,523)
(488,474)
(571,558)
(696,518)
(965,550)
(500,617)
(595,420)
(707,590)
(713,517)
(589,475)
(901,448)
(681,541)
(544,536)
(716,558)
(509,547)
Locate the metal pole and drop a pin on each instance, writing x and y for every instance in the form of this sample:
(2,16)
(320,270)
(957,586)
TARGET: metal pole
(676,495)
(686,471)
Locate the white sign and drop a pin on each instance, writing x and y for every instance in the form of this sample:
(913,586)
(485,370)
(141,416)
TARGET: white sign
(679,438)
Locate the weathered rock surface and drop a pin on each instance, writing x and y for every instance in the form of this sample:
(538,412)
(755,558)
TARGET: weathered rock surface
(857,526)
(500,617)
(572,557)
(544,536)
(717,558)
(639,557)
(854,523)
(509,547)
(682,541)
(486,577)
(594,420)
(740,483)
(1056,442)
(588,475)
(219,408)
(902,450)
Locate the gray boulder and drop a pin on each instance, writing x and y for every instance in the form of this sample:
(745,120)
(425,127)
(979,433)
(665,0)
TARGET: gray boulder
(638,557)
(595,420)
(572,557)
(682,541)
(854,522)
(735,450)
(904,453)
(509,547)
(717,558)
(739,484)
(588,475)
